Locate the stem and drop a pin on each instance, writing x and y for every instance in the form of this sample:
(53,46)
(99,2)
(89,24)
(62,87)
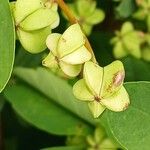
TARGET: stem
(73,20)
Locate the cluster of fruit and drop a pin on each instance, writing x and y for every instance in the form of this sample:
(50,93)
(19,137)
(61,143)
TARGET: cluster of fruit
(101,87)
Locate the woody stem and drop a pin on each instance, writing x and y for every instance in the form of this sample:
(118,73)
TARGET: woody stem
(73,20)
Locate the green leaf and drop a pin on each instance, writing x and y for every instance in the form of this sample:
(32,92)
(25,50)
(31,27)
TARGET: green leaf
(7,43)
(56,89)
(131,127)
(64,148)
(127,127)
(125,8)
(43,112)
(136,70)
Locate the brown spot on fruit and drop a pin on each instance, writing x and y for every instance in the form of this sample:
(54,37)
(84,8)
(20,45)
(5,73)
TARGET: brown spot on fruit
(118,78)
(126,106)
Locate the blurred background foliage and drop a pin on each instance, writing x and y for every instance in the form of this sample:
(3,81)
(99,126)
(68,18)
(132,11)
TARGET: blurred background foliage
(18,132)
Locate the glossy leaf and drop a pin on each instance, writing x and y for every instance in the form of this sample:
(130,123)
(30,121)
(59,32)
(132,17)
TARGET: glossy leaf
(7,43)
(56,89)
(125,8)
(136,70)
(43,112)
(132,125)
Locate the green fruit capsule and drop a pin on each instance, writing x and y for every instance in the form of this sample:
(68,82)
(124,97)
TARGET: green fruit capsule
(68,52)
(34,41)
(87,14)
(41,18)
(100,141)
(102,88)
(127,42)
(34,20)
(24,8)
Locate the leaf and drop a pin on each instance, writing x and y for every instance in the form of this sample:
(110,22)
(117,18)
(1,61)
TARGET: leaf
(126,127)
(7,43)
(125,8)
(136,70)
(43,112)
(56,89)
(64,148)
(131,127)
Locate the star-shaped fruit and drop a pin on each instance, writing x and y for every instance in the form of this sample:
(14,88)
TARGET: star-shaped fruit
(34,20)
(102,88)
(127,42)
(87,14)
(67,51)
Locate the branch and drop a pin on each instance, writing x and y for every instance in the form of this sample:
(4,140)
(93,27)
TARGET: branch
(73,20)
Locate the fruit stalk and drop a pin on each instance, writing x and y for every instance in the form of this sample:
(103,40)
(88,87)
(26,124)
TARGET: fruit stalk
(73,20)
